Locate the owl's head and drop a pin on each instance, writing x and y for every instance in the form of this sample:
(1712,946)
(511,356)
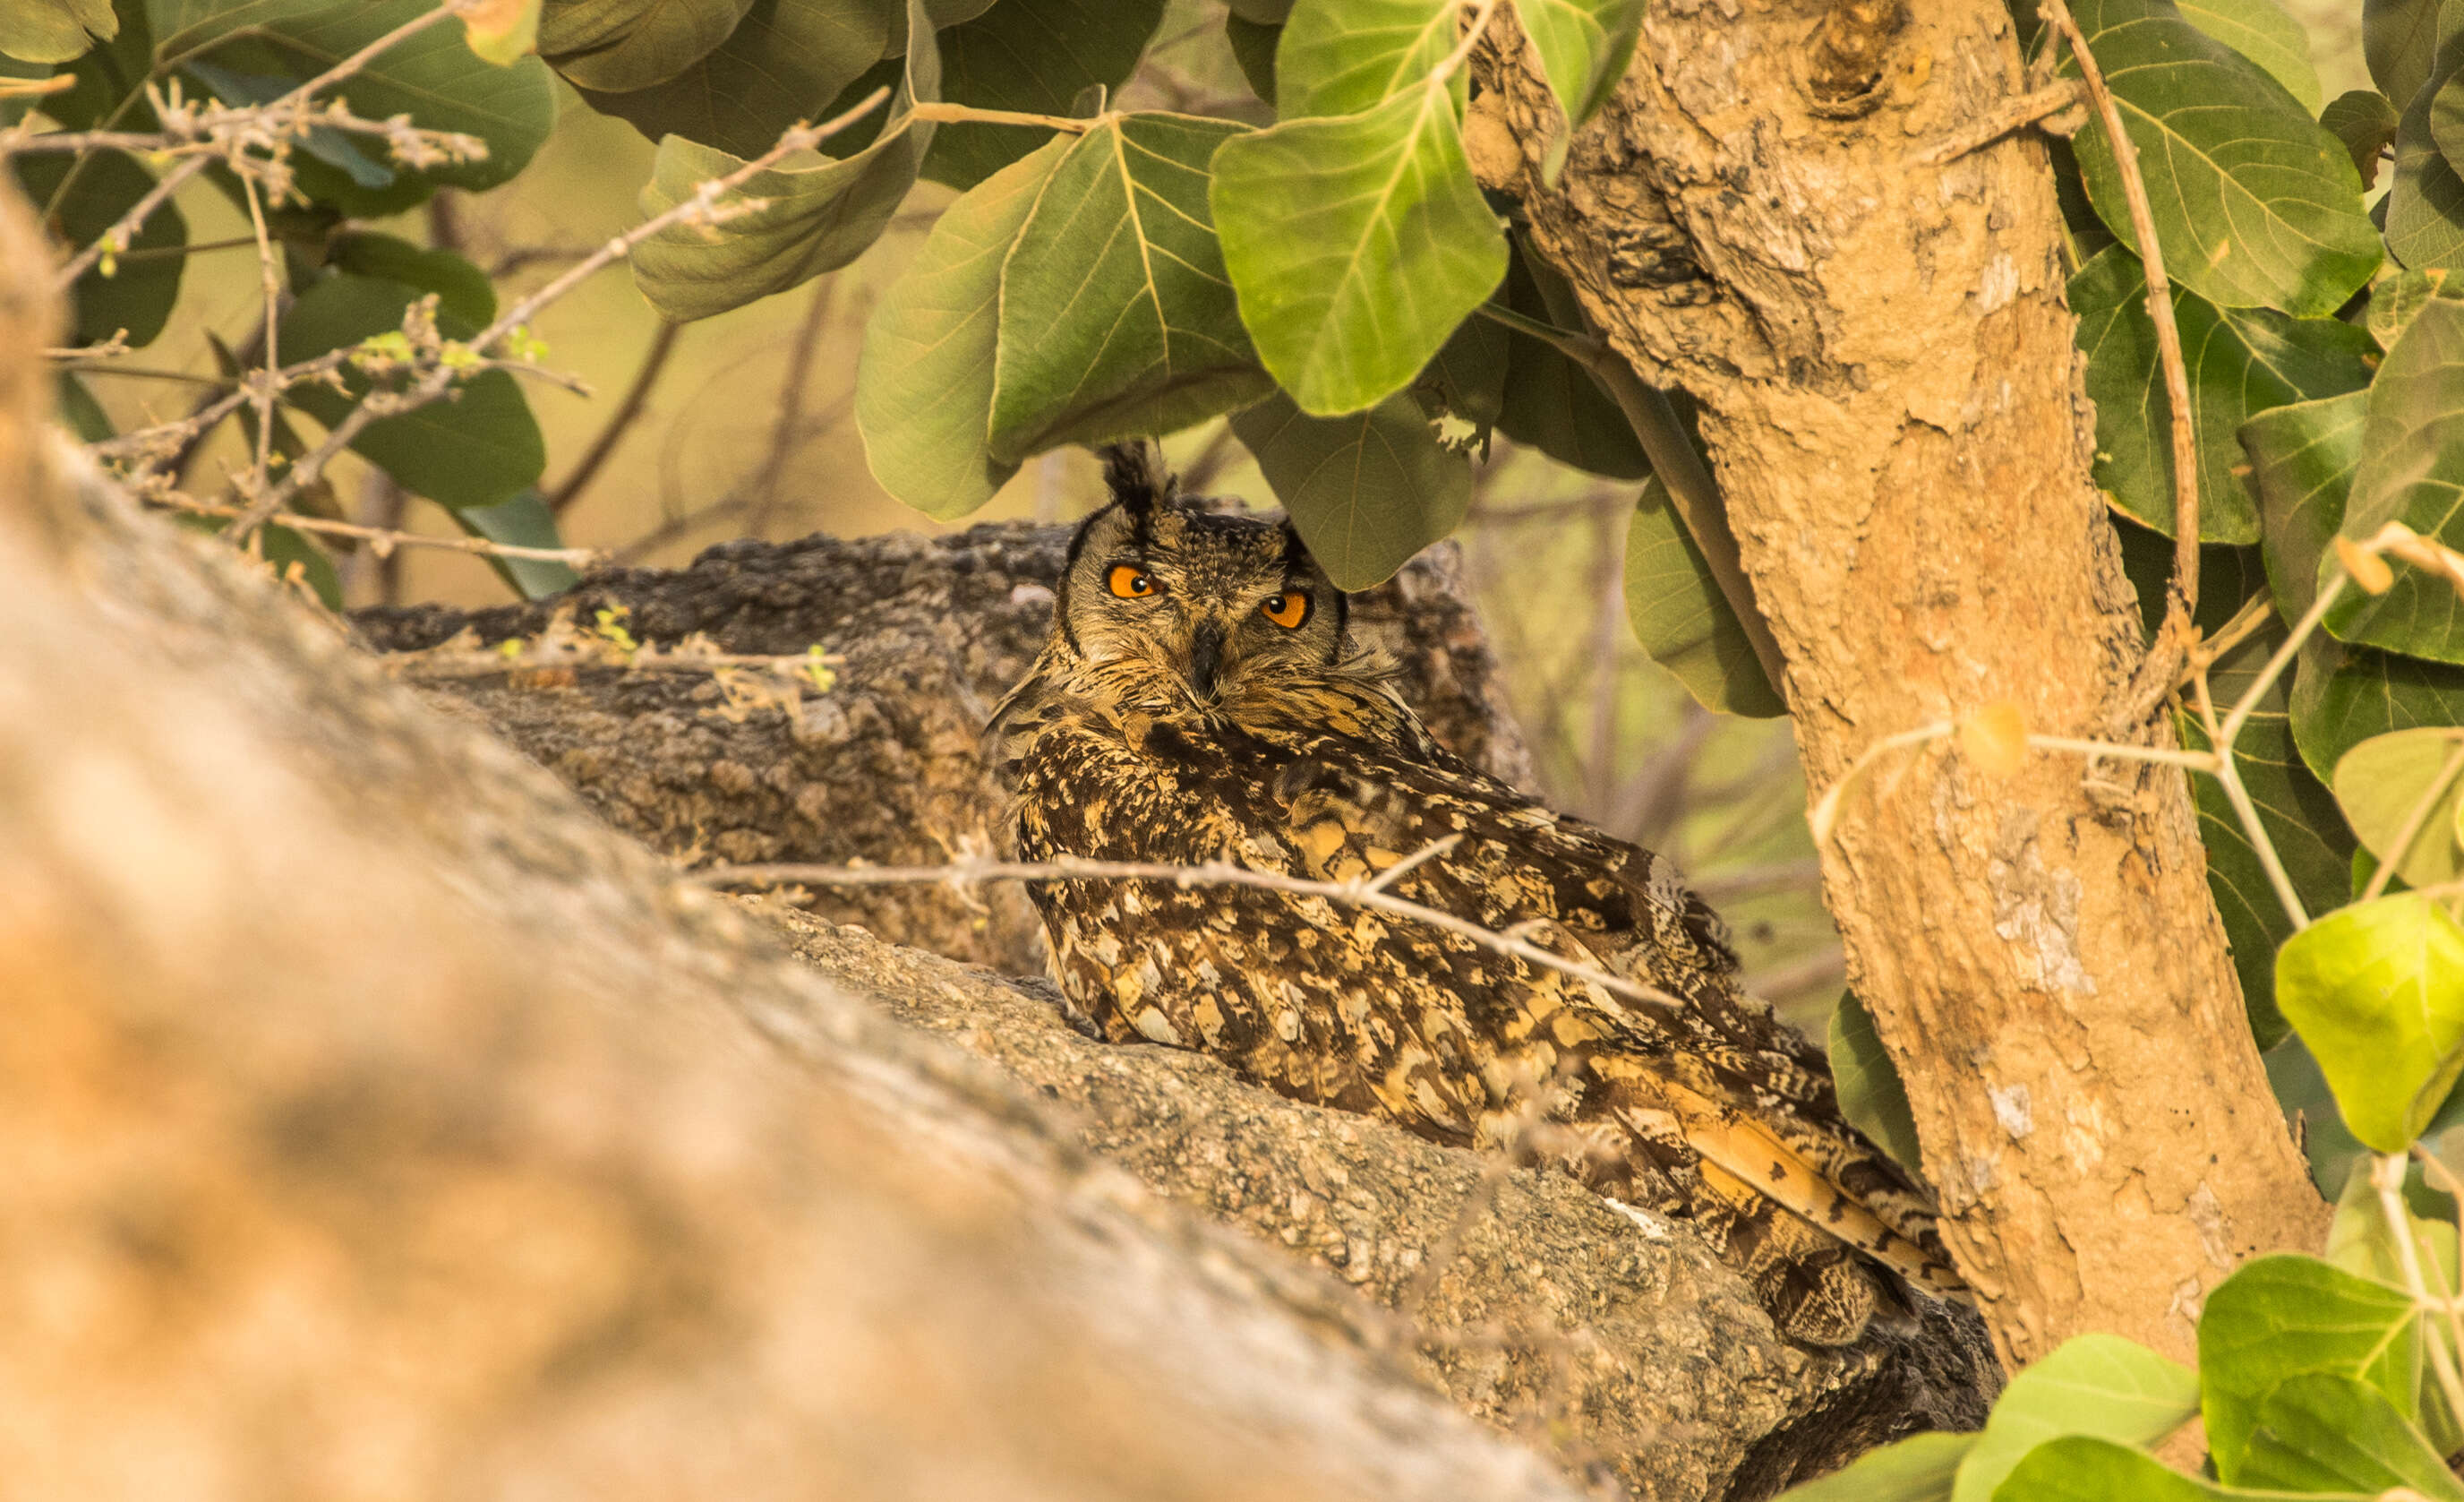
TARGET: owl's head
(1192,605)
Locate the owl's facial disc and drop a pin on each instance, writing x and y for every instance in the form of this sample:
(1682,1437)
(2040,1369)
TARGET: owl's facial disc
(1198,607)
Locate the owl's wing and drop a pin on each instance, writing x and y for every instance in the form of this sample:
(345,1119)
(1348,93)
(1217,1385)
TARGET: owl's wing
(1719,1089)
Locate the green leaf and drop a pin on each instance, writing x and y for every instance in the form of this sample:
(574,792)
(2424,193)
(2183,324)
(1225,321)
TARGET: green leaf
(617,45)
(2399,39)
(462,290)
(924,383)
(1356,244)
(2377,991)
(1253,46)
(1365,491)
(2406,787)
(2395,299)
(1552,402)
(2361,1241)
(1343,57)
(503,32)
(2366,122)
(813,219)
(2081,1470)
(523,521)
(2239,363)
(1035,57)
(2281,1316)
(55,31)
(80,412)
(2254,204)
(2424,204)
(2092,1385)
(2342,695)
(2301,461)
(1115,317)
(785,61)
(1584,46)
(1870,1093)
(2293,1077)
(2261,32)
(1466,380)
(2322,1432)
(433,77)
(1918,1469)
(2413,470)
(139,294)
(477,449)
(1681,617)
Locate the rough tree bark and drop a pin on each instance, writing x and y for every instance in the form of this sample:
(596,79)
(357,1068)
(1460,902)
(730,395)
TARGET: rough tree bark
(886,767)
(1883,367)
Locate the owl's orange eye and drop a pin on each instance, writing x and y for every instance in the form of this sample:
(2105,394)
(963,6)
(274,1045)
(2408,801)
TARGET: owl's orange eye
(1126,582)
(1288,610)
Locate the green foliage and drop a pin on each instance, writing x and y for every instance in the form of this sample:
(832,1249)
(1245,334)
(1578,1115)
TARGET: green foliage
(782,62)
(615,46)
(2093,1385)
(2377,991)
(1680,617)
(56,30)
(1039,57)
(2401,793)
(1367,490)
(132,291)
(2412,470)
(1356,244)
(2241,362)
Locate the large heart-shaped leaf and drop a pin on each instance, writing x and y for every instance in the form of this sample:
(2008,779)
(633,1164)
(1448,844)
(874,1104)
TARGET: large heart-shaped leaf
(2240,362)
(2324,1432)
(2413,470)
(811,219)
(1872,1095)
(924,383)
(433,77)
(1366,491)
(2424,204)
(2079,1469)
(1115,317)
(2367,123)
(55,31)
(1342,56)
(2342,695)
(1681,617)
(478,448)
(2261,32)
(134,290)
(2254,204)
(2400,792)
(1037,57)
(2091,1384)
(785,61)
(617,45)
(2301,459)
(2281,1317)
(2399,41)
(1356,244)
(2377,992)
(1584,46)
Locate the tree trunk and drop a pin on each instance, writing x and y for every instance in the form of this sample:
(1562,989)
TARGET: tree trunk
(1884,372)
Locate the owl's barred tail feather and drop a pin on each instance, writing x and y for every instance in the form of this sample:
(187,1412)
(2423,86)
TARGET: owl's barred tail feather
(1790,1226)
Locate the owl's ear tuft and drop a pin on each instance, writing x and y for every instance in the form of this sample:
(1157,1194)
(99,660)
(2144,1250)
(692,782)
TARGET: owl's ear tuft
(1135,474)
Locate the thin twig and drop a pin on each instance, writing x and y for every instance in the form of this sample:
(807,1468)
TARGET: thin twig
(1215,872)
(386,538)
(2015,114)
(2387,1177)
(2185,598)
(701,207)
(270,280)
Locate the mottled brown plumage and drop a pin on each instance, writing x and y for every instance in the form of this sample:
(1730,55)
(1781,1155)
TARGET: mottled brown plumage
(1181,714)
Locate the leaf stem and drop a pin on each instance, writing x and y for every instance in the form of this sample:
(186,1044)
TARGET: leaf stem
(2387,1177)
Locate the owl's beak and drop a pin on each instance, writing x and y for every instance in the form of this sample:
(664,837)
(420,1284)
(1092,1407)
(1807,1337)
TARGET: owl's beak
(1205,658)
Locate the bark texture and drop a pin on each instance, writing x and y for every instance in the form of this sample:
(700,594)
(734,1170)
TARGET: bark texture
(885,767)
(1884,370)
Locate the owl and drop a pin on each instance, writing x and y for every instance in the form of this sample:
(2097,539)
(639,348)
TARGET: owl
(1199,702)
